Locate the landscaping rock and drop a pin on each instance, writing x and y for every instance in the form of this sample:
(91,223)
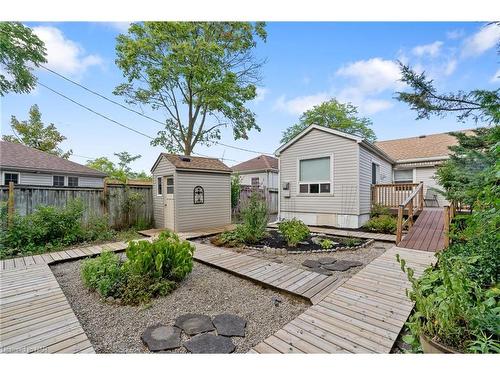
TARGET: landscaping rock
(322,271)
(194,324)
(342,265)
(230,325)
(276,301)
(311,263)
(326,260)
(160,337)
(208,343)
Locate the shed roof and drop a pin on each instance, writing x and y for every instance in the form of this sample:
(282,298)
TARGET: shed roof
(194,163)
(21,157)
(260,163)
(433,146)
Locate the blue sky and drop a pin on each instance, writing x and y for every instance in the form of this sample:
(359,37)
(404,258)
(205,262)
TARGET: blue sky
(307,63)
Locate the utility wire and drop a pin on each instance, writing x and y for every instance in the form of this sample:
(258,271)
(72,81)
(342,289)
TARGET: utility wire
(137,112)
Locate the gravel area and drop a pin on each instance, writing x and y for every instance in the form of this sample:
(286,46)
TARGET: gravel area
(117,329)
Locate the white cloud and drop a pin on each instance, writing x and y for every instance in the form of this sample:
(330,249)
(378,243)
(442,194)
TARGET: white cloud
(261,94)
(487,37)
(64,55)
(455,34)
(496,77)
(300,104)
(431,49)
(450,67)
(122,27)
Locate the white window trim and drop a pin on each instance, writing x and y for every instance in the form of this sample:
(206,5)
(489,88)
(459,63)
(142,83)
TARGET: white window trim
(159,178)
(376,162)
(166,184)
(77,181)
(403,182)
(65,182)
(18,177)
(309,157)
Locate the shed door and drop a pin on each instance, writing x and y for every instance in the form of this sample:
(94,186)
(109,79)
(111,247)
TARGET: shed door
(169,202)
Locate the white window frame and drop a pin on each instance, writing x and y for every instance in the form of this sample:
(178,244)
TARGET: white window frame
(18,177)
(167,185)
(59,175)
(77,181)
(159,181)
(378,178)
(309,157)
(403,182)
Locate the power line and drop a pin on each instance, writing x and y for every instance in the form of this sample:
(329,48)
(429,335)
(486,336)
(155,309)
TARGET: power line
(140,113)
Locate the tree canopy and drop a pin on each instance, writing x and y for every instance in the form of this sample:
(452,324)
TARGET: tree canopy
(33,133)
(200,74)
(334,115)
(20,50)
(121,170)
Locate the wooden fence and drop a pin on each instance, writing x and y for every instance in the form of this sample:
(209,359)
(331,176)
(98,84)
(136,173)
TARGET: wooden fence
(270,195)
(124,204)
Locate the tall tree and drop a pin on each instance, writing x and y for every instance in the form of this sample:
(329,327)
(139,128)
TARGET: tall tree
(122,170)
(124,160)
(200,74)
(33,133)
(478,105)
(20,49)
(333,115)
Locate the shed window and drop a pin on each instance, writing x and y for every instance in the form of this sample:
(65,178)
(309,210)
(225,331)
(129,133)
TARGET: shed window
(11,177)
(403,176)
(315,175)
(170,185)
(72,181)
(58,180)
(159,186)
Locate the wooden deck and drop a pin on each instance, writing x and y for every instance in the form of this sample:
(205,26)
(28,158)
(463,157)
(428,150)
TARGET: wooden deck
(427,233)
(363,315)
(287,278)
(36,317)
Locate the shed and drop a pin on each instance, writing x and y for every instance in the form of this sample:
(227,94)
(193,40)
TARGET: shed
(190,193)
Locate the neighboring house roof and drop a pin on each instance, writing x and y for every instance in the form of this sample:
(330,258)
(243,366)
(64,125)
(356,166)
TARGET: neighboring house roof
(194,163)
(354,138)
(260,163)
(20,157)
(424,147)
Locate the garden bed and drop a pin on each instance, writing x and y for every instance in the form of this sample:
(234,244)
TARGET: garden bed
(114,328)
(274,243)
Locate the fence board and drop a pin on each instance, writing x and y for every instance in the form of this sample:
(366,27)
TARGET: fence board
(270,195)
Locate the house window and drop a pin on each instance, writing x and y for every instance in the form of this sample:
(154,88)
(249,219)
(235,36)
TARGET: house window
(10,177)
(375,173)
(255,182)
(170,185)
(159,186)
(72,181)
(315,176)
(403,176)
(57,180)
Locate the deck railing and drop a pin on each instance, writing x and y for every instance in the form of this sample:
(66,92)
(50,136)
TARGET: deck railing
(414,202)
(449,213)
(391,195)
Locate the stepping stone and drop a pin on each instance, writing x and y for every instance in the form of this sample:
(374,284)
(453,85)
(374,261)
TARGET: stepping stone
(342,265)
(208,343)
(322,271)
(230,325)
(311,263)
(326,260)
(194,324)
(160,337)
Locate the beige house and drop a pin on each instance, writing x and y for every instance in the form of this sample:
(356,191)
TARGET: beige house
(326,176)
(190,193)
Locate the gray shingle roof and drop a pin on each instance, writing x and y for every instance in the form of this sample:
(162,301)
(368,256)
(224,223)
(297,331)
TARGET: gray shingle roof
(17,156)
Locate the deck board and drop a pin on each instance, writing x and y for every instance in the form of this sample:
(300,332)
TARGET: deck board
(427,233)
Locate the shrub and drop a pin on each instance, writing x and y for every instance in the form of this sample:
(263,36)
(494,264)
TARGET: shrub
(229,238)
(235,190)
(103,274)
(326,244)
(351,242)
(379,210)
(254,220)
(381,224)
(293,231)
(97,228)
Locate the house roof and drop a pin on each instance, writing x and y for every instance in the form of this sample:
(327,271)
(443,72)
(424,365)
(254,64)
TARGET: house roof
(194,163)
(260,163)
(21,157)
(430,147)
(354,138)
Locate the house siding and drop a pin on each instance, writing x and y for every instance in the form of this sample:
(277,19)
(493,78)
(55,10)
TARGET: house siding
(366,157)
(46,179)
(266,179)
(322,209)
(216,210)
(163,168)
(426,175)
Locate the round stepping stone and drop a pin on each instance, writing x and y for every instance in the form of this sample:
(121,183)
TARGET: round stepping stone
(160,337)
(311,263)
(327,260)
(230,325)
(208,343)
(194,324)
(342,265)
(322,271)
